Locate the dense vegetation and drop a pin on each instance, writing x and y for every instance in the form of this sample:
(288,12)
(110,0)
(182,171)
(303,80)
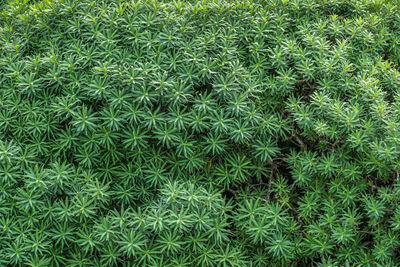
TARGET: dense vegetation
(200,133)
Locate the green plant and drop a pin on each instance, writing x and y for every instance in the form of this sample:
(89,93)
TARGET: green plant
(199,133)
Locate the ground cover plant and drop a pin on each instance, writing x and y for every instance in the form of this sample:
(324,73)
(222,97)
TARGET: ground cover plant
(199,133)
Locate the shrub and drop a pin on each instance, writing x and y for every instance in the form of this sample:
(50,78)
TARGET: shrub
(200,133)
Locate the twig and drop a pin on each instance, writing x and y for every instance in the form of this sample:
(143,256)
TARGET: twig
(263,200)
(299,142)
(291,186)
(254,185)
(270,183)
(233,192)
(334,144)
(365,232)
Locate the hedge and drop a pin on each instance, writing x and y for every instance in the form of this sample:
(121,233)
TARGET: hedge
(200,133)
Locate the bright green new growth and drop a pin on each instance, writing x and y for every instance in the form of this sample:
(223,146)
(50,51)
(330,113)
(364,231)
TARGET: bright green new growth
(200,133)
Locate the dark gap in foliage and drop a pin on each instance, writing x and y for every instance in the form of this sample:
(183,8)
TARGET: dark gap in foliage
(203,89)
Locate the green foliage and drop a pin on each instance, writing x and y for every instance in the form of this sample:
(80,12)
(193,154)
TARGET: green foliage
(199,133)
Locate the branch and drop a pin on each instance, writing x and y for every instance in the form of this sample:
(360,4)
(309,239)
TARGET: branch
(298,141)
(270,183)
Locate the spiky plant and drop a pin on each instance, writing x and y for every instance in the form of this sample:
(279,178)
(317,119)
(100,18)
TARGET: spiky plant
(199,133)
